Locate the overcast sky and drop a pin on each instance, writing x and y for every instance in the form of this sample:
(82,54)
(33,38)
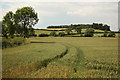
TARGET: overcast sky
(58,13)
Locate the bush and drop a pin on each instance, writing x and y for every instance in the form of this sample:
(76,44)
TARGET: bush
(53,33)
(12,42)
(34,35)
(89,32)
(17,35)
(68,31)
(61,34)
(43,35)
(78,30)
(105,34)
(111,34)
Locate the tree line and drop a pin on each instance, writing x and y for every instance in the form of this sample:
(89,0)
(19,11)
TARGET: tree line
(19,23)
(99,26)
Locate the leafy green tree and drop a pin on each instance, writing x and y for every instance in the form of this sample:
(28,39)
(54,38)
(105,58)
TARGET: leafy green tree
(119,30)
(111,34)
(25,18)
(95,25)
(4,31)
(100,26)
(78,29)
(8,24)
(105,33)
(106,27)
(0,29)
(61,34)
(68,31)
(89,32)
(31,32)
(20,23)
(19,30)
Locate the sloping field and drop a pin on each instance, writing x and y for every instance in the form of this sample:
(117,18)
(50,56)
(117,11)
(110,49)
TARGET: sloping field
(97,33)
(58,57)
(19,61)
(45,32)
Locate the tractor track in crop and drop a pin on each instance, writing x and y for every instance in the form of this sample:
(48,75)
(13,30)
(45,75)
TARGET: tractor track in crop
(44,63)
(78,66)
(79,62)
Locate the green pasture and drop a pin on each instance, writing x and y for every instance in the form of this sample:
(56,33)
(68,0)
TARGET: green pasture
(98,34)
(62,57)
(45,32)
(96,30)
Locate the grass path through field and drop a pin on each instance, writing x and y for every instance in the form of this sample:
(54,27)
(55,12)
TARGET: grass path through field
(45,62)
(78,66)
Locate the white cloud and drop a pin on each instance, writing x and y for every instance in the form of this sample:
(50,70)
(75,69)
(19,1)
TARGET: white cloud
(59,0)
(46,13)
(82,11)
(14,6)
(87,9)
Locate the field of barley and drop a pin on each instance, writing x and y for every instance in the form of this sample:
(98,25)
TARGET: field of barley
(62,57)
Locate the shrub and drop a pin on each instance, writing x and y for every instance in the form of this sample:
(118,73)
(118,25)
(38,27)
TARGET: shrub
(61,34)
(18,41)
(89,32)
(12,42)
(68,31)
(17,35)
(53,33)
(105,34)
(43,35)
(35,35)
(111,34)
(78,30)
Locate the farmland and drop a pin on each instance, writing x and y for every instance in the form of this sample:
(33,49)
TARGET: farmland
(62,57)
(98,33)
(59,51)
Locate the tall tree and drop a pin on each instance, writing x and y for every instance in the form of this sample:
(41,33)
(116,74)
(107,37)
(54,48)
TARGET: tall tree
(89,32)
(0,28)
(25,18)
(68,31)
(105,33)
(32,32)
(78,29)
(106,27)
(8,24)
